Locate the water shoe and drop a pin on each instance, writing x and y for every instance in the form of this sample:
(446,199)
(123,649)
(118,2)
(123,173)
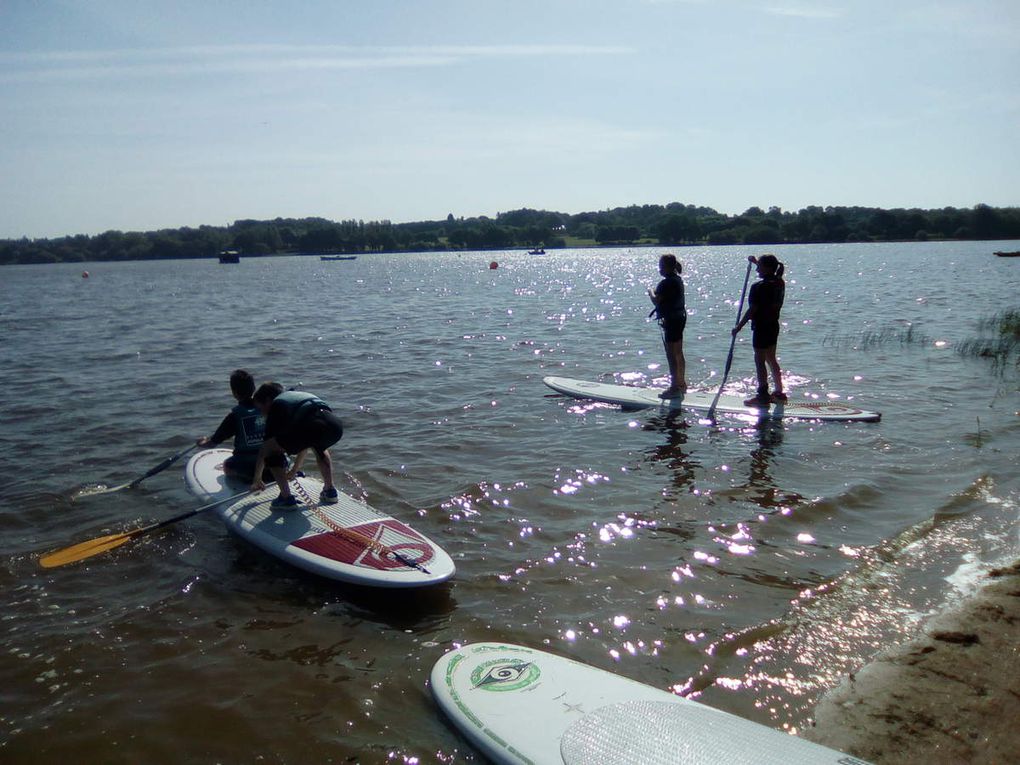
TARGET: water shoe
(329,496)
(285,503)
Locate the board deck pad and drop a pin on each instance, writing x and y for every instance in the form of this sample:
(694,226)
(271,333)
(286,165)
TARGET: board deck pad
(519,705)
(635,397)
(347,541)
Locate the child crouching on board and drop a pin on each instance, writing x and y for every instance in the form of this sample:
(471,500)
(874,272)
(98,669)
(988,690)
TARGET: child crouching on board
(296,422)
(765,301)
(245,424)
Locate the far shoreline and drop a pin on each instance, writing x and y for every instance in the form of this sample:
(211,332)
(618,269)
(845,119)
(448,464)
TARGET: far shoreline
(524,250)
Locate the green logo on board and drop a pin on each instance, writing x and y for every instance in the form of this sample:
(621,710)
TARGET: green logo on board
(505,675)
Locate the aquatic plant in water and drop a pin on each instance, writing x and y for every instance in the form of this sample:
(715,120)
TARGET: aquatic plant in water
(999,342)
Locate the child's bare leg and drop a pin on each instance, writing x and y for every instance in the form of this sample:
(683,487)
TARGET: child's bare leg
(761,371)
(777,373)
(325,463)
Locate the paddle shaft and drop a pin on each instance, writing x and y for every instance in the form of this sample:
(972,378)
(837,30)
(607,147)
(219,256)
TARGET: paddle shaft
(148,474)
(162,466)
(103,544)
(733,342)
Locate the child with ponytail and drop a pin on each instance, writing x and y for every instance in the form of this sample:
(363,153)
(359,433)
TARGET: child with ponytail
(765,301)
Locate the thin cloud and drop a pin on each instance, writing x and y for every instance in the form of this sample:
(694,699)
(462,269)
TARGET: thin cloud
(258,59)
(804,12)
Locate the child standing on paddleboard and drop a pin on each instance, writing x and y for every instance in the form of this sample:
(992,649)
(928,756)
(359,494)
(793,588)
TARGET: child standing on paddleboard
(296,422)
(245,424)
(671,310)
(765,301)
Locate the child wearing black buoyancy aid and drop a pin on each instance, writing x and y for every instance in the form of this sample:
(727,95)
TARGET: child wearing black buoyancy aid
(296,422)
(671,310)
(765,301)
(245,424)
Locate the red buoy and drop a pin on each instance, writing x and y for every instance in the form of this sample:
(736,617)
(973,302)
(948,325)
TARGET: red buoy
(84,274)
(493,265)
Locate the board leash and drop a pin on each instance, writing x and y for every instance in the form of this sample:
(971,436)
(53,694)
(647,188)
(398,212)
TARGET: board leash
(355,536)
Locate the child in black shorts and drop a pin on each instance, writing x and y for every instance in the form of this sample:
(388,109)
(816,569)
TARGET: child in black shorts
(295,423)
(765,301)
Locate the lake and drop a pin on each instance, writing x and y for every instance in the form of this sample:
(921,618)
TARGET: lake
(748,565)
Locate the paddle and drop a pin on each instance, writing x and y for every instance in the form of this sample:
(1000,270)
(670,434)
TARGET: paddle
(99,545)
(158,469)
(733,340)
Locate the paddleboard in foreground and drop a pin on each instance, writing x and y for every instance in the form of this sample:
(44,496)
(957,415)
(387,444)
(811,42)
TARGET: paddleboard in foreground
(639,397)
(519,705)
(348,541)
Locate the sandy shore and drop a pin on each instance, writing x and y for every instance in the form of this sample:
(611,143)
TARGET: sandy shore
(952,695)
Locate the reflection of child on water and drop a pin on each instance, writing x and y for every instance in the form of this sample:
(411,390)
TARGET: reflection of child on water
(670,308)
(245,424)
(765,301)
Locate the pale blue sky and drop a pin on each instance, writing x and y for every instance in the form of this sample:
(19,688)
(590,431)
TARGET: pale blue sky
(136,115)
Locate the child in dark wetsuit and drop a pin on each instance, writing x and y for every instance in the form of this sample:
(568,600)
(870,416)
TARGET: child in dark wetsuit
(671,311)
(245,424)
(765,301)
(296,422)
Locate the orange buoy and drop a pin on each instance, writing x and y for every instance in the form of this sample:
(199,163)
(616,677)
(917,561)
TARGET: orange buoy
(493,265)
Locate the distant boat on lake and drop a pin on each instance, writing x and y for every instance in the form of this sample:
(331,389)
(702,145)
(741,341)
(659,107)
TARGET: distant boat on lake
(1015,254)
(338,257)
(230,256)
(537,251)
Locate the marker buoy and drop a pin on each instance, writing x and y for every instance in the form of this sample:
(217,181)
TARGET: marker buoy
(493,265)
(84,274)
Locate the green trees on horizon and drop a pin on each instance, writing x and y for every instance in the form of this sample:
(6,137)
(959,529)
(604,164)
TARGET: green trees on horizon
(674,224)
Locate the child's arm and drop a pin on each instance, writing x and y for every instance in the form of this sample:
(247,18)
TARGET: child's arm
(748,315)
(299,460)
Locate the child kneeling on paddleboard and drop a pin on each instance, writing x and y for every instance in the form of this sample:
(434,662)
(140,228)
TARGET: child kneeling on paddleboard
(295,423)
(765,301)
(245,424)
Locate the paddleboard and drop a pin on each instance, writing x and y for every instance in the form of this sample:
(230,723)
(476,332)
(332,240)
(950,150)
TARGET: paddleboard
(348,541)
(519,705)
(634,397)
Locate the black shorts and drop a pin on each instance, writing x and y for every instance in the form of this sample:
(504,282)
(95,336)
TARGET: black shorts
(673,329)
(318,431)
(764,335)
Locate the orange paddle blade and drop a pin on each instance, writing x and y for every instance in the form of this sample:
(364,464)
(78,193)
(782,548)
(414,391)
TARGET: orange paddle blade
(84,550)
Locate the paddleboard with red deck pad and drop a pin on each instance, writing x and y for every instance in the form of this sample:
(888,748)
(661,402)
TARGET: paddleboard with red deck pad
(348,541)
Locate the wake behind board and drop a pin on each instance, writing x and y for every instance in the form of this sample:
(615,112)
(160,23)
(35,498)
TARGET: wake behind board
(519,705)
(348,541)
(638,397)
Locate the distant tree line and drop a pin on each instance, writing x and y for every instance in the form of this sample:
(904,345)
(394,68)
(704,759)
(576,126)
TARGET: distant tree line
(672,224)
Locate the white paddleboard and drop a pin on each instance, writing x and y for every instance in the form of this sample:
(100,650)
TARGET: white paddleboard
(638,397)
(348,541)
(519,705)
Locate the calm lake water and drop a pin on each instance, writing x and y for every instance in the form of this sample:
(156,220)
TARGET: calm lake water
(748,565)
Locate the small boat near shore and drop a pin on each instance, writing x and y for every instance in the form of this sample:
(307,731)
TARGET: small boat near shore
(338,257)
(1014,254)
(537,251)
(230,256)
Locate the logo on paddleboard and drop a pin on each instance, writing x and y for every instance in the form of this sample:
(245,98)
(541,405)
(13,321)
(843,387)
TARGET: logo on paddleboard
(505,675)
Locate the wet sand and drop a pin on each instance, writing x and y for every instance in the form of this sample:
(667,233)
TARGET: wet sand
(952,695)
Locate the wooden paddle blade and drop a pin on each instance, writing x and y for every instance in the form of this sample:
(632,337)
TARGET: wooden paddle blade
(84,550)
